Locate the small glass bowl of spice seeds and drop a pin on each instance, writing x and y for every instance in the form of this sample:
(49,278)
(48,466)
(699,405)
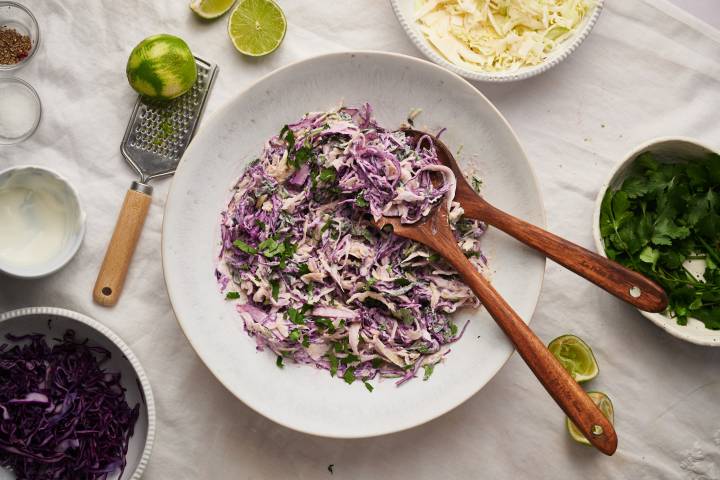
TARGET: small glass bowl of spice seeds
(19,35)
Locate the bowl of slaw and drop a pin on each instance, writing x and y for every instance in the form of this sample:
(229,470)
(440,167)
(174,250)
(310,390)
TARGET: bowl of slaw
(298,396)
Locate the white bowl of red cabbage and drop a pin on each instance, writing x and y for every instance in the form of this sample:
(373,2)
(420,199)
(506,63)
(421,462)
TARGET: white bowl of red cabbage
(74,401)
(659,214)
(308,376)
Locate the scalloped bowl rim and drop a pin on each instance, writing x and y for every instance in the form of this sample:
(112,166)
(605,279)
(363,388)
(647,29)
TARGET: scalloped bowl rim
(129,355)
(554,58)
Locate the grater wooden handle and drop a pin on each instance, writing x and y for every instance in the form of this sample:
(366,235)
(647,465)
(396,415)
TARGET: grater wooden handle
(110,280)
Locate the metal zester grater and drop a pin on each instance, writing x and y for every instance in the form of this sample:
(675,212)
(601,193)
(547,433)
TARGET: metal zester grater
(154,142)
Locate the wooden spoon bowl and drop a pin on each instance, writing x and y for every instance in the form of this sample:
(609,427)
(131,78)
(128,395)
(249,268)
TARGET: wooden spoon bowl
(625,284)
(434,231)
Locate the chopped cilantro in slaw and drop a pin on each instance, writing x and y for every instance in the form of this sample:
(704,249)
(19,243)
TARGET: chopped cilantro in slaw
(317,282)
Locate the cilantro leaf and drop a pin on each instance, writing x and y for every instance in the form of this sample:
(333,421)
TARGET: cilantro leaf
(429,369)
(650,255)
(350,358)
(635,186)
(275,286)
(295,316)
(666,230)
(245,247)
(369,283)
(404,314)
(271,247)
(294,336)
(324,324)
(302,155)
(327,175)
(288,136)
(360,201)
(333,360)
(232,295)
(349,375)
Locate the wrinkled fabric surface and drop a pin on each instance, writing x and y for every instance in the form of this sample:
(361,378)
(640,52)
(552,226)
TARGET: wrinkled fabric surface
(647,70)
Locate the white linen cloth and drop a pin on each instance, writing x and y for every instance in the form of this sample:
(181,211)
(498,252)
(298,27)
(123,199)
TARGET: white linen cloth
(647,70)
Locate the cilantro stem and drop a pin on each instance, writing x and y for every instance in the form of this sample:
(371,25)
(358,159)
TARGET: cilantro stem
(711,253)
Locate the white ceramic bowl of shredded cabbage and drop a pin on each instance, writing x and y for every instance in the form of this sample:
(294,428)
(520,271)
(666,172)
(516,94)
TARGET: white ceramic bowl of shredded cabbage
(405,11)
(53,322)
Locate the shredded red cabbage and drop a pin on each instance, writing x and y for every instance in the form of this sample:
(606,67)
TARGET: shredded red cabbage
(63,415)
(315,281)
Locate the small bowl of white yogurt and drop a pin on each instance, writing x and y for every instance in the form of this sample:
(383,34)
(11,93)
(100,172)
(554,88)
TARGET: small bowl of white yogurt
(42,223)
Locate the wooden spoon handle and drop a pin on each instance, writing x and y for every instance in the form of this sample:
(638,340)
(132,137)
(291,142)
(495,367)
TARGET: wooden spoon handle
(622,282)
(111,278)
(559,384)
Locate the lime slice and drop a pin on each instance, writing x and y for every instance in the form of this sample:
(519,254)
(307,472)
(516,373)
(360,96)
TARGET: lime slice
(161,67)
(605,406)
(257,27)
(210,8)
(575,356)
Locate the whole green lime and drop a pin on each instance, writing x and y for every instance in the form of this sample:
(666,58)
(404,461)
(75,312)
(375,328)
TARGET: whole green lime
(162,67)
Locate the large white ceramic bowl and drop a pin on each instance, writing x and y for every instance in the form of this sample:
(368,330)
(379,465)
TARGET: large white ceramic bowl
(53,322)
(405,13)
(301,397)
(666,149)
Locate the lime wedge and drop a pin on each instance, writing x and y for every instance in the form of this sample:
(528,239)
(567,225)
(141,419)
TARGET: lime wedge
(605,406)
(575,356)
(257,27)
(211,8)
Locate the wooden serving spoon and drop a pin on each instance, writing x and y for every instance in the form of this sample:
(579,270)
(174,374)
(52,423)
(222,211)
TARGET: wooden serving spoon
(434,231)
(625,284)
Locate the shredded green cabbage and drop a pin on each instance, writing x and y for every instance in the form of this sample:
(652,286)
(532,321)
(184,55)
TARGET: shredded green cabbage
(499,35)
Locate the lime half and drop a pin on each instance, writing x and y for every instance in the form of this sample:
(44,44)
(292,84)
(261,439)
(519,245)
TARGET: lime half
(605,406)
(257,27)
(210,8)
(575,356)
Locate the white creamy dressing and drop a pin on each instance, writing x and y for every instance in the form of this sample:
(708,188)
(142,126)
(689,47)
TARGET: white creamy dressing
(37,219)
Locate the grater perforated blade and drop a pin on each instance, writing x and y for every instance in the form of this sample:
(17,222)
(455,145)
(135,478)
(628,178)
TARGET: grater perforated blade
(159,133)
(155,139)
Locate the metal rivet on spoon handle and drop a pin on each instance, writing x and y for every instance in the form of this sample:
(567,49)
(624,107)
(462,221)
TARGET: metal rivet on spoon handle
(155,139)
(622,282)
(434,231)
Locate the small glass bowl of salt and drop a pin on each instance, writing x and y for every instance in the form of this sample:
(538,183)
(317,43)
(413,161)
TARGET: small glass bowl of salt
(21,110)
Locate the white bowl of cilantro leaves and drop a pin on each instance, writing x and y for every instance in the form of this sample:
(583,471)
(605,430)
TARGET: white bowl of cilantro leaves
(659,214)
